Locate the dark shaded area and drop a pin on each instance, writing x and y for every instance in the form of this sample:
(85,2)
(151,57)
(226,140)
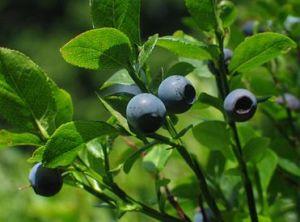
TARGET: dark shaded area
(39,28)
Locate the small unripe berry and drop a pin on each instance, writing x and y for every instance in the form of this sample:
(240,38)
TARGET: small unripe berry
(177,93)
(44,181)
(145,113)
(240,105)
(227,55)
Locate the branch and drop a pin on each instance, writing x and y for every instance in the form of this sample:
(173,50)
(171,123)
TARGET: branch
(176,205)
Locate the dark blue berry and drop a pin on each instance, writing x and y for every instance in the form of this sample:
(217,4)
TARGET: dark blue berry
(240,105)
(177,93)
(44,181)
(145,113)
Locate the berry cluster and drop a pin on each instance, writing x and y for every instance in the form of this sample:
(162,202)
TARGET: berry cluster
(146,112)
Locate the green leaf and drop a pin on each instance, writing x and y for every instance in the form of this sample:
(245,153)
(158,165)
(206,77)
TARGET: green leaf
(120,77)
(26,97)
(10,139)
(185,47)
(64,106)
(228,13)
(289,166)
(266,168)
(147,49)
(180,68)
(186,187)
(120,89)
(68,139)
(259,49)
(121,119)
(37,155)
(255,149)
(157,158)
(95,156)
(204,13)
(105,48)
(260,82)
(184,131)
(212,101)
(214,135)
(120,14)
(133,157)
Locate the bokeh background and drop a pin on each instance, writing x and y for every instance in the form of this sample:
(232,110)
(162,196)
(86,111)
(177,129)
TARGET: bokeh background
(39,28)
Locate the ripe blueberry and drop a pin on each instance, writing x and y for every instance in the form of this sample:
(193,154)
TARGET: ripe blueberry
(44,181)
(145,112)
(240,105)
(177,93)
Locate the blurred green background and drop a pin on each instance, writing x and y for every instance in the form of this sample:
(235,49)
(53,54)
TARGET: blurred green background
(39,28)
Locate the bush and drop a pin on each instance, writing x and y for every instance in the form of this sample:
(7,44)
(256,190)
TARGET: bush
(224,170)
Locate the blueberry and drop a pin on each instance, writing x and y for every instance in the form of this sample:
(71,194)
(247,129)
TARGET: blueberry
(240,105)
(249,28)
(290,101)
(177,93)
(227,55)
(145,113)
(44,181)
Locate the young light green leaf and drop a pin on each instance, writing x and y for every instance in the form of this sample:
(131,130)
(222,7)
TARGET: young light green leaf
(120,14)
(26,97)
(259,49)
(157,158)
(10,139)
(204,13)
(214,135)
(69,138)
(255,149)
(185,47)
(133,157)
(147,49)
(105,48)
(266,168)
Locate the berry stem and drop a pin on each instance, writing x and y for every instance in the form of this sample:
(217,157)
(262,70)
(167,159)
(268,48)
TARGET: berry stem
(172,200)
(196,168)
(114,188)
(224,90)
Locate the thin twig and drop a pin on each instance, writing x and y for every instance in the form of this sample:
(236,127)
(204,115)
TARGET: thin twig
(172,200)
